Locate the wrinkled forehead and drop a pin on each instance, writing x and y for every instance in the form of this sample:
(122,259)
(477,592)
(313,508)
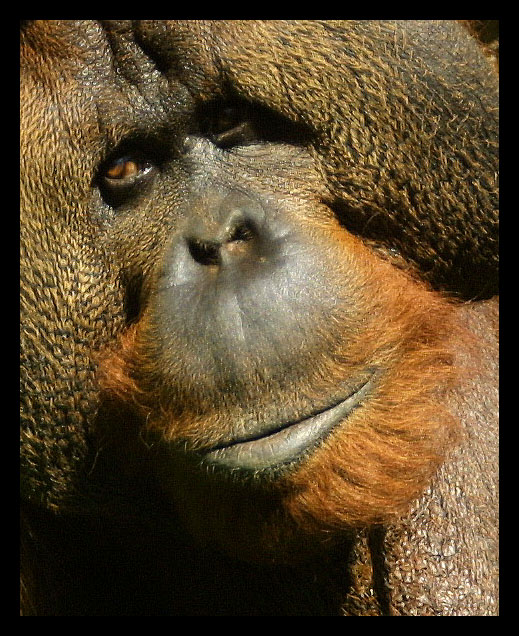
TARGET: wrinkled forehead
(59,50)
(117,51)
(93,84)
(152,58)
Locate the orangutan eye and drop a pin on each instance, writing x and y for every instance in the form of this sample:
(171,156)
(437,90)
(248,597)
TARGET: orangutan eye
(126,170)
(226,119)
(124,177)
(239,123)
(228,125)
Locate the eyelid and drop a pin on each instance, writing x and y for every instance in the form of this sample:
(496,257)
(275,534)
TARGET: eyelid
(239,134)
(131,174)
(245,123)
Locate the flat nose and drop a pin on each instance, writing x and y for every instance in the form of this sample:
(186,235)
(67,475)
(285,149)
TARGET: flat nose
(232,232)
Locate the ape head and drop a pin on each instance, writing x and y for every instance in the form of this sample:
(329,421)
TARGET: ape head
(230,237)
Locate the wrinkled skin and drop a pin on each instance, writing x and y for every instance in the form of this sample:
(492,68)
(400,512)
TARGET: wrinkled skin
(259,319)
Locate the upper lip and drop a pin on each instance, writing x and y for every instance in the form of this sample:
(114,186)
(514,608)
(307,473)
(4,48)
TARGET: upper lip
(287,442)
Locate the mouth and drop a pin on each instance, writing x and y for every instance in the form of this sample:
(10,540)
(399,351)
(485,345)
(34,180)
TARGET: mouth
(287,442)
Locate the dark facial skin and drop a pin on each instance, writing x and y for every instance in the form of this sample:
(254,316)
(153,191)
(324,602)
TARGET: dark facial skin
(231,300)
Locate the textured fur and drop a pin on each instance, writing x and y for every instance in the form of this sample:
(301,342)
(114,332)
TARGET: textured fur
(390,449)
(387,150)
(383,173)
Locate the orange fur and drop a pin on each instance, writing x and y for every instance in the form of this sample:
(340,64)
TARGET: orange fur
(371,469)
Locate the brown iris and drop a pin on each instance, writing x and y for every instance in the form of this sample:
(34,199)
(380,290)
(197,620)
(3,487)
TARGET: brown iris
(124,169)
(124,177)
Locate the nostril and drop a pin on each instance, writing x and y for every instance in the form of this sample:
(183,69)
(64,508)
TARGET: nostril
(226,233)
(240,232)
(204,252)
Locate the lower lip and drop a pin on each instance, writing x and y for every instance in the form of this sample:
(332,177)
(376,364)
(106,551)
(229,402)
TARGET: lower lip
(289,443)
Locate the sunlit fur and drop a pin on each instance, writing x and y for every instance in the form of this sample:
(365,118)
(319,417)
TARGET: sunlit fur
(386,130)
(373,466)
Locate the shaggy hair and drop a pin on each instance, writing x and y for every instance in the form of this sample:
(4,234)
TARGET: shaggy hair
(376,463)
